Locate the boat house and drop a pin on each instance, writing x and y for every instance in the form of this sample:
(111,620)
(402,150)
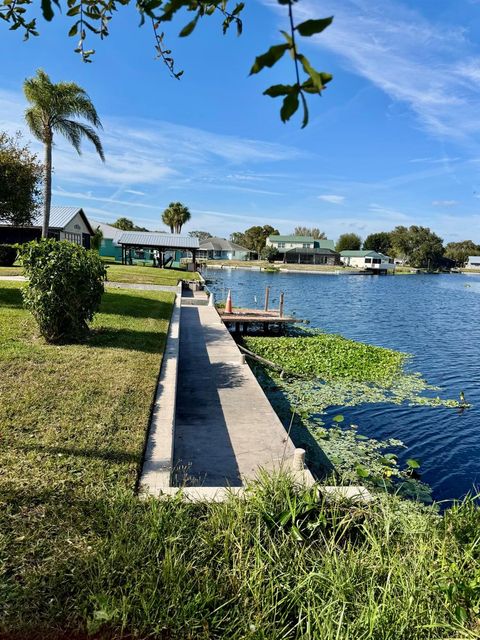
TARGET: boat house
(473,262)
(168,246)
(369,261)
(66,223)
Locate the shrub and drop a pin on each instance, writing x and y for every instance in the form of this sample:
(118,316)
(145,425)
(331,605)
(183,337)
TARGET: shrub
(65,287)
(269,253)
(8,255)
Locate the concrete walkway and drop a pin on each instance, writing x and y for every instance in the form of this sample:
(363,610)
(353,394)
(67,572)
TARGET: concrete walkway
(225,428)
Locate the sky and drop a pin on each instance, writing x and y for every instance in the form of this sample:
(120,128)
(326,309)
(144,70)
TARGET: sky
(394,140)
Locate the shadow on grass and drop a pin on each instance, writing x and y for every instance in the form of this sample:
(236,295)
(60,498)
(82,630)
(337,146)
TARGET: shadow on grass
(11,297)
(145,341)
(110,456)
(124,304)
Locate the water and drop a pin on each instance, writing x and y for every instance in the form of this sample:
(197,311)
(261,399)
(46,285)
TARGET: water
(436,318)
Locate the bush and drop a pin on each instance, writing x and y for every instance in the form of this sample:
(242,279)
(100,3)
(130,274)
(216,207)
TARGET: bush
(8,255)
(65,287)
(269,253)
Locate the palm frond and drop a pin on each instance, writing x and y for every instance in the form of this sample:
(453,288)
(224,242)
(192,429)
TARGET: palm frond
(34,120)
(75,131)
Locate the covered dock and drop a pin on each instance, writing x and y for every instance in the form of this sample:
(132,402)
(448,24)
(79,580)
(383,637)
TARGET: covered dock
(161,242)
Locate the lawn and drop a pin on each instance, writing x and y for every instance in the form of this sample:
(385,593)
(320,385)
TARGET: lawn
(147,275)
(82,556)
(130,274)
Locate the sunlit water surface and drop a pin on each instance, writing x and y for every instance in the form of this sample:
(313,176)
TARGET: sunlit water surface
(435,318)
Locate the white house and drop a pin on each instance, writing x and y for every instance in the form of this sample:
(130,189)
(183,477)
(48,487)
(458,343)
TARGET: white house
(283,243)
(66,223)
(473,262)
(370,261)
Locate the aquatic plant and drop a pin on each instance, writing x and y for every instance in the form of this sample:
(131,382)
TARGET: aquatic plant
(325,370)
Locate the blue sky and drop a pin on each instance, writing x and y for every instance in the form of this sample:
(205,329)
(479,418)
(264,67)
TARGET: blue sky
(395,139)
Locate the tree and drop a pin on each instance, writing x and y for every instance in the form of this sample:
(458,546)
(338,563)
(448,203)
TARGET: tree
(348,242)
(20,181)
(238,238)
(175,216)
(269,253)
(125,224)
(380,242)
(201,235)
(418,246)
(255,237)
(306,231)
(52,110)
(96,16)
(96,239)
(459,251)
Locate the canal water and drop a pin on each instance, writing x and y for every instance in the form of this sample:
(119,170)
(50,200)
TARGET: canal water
(436,318)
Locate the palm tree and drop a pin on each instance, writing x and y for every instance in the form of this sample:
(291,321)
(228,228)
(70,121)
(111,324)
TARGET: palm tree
(175,216)
(53,108)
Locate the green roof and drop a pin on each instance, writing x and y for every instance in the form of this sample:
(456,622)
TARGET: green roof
(291,239)
(361,254)
(324,243)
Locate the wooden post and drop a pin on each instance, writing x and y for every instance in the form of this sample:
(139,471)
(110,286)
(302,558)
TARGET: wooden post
(267,297)
(280,311)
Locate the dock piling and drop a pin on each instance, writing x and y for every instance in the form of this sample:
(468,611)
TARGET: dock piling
(280,310)
(298,461)
(267,297)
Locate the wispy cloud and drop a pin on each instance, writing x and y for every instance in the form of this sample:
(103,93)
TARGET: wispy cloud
(430,67)
(332,198)
(444,203)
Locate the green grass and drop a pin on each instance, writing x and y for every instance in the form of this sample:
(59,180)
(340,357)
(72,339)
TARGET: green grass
(130,274)
(81,554)
(11,271)
(147,275)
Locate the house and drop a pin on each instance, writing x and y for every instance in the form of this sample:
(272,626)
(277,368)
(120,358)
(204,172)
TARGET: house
(109,247)
(304,249)
(473,262)
(311,256)
(66,223)
(370,261)
(221,249)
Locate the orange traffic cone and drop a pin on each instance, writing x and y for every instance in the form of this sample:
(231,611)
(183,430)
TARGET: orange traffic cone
(228,304)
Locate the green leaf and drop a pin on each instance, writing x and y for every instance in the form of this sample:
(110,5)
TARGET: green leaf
(74,30)
(314,75)
(413,464)
(296,533)
(311,27)
(269,58)
(47,10)
(277,90)
(362,472)
(338,418)
(289,106)
(188,28)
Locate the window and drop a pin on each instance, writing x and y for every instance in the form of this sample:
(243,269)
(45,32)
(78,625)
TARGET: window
(377,261)
(368,260)
(281,245)
(73,237)
(306,245)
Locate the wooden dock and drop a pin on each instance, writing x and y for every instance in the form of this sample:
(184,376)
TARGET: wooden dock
(241,319)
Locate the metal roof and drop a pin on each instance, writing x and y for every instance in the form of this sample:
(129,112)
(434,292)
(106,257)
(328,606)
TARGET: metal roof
(291,239)
(220,244)
(324,251)
(109,232)
(59,217)
(164,240)
(361,254)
